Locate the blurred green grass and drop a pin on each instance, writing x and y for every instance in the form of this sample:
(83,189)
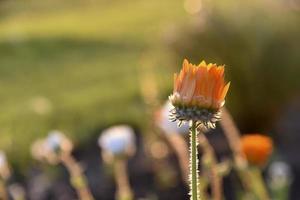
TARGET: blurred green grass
(75,66)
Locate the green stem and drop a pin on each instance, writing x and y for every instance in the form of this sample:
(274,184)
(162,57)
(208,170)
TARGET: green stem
(258,184)
(77,179)
(194,163)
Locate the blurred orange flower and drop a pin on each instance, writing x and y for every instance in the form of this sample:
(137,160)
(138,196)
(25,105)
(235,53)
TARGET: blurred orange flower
(257,148)
(200,86)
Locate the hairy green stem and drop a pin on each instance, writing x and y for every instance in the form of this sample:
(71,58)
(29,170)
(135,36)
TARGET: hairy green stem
(194,163)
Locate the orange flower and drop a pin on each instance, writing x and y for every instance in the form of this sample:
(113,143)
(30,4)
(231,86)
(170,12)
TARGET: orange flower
(257,148)
(201,86)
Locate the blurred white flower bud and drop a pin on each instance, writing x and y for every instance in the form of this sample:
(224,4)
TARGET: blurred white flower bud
(166,125)
(52,147)
(54,140)
(57,142)
(4,167)
(279,174)
(2,159)
(118,140)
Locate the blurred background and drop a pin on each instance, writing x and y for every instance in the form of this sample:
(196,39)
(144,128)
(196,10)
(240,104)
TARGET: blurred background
(82,65)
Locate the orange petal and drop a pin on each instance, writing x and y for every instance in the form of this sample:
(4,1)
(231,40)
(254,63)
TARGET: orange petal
(225,90)
(202,63)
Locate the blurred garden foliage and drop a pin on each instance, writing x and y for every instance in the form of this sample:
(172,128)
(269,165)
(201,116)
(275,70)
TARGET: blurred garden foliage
(259,41)
(75,65)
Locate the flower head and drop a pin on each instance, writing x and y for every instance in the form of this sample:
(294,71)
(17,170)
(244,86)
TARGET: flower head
(57,142)
(199,93)
(257,148)
(118,141)
(52,148)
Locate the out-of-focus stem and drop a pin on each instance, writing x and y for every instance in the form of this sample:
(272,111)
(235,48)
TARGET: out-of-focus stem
(194,163)
(232,134)
(181,149)
(258,184)
(124,191)
(203,183)
(216,181)
(3,193)
(251,179)
(77,178)
(16,192)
